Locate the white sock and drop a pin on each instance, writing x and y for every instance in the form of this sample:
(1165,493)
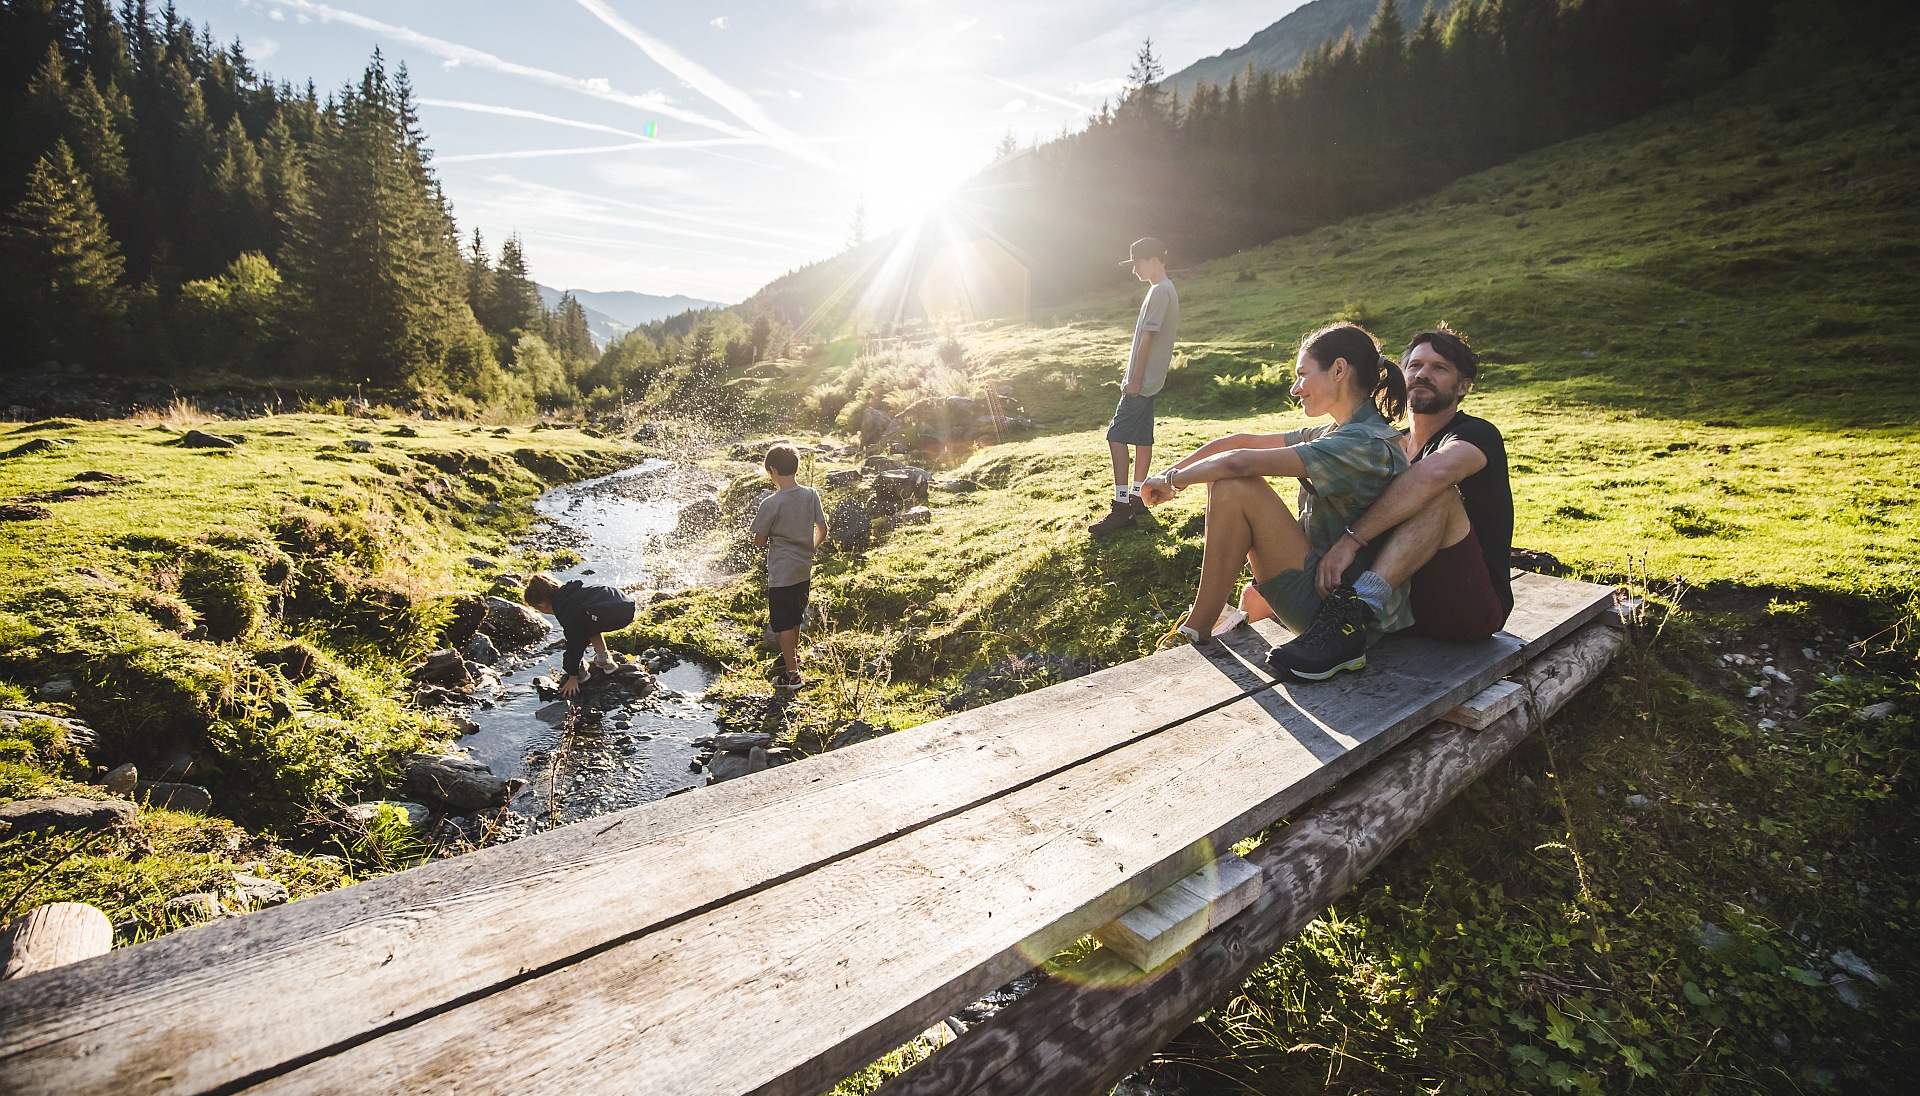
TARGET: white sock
(1120,492)
(1136,490)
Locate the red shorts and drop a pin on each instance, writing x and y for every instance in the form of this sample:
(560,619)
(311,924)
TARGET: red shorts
(1452,596)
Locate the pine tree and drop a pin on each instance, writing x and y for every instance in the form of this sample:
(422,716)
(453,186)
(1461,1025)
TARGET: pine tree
(374,259)
(65,264)
(479,280)
(515,305)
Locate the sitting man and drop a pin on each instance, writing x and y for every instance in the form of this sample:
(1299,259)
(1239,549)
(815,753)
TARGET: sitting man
(1445,524)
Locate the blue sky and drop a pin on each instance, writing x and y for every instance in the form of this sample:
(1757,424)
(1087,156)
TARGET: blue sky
(772,120)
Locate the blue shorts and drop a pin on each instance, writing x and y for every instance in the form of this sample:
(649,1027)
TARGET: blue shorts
(1132,421)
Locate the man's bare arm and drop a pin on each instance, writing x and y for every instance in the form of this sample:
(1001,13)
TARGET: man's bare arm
(1413,489)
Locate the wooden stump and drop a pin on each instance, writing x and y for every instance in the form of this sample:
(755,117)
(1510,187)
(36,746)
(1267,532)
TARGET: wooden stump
(54,935)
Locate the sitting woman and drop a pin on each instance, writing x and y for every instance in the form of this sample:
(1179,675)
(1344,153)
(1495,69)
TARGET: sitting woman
(1342,468)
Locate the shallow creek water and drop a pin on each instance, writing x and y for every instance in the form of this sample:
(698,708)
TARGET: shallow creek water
(616,751)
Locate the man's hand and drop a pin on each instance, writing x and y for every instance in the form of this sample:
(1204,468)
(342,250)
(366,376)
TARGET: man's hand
(1334,565)
(1130,389)
(570,688)
(1155,490)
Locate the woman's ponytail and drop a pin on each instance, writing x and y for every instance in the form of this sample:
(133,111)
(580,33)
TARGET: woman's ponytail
(1390,390)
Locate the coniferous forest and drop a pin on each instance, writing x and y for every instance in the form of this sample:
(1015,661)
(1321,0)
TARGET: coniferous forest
(169,210)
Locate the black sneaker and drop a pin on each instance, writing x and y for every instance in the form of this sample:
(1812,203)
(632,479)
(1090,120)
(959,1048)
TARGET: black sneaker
(1119,516)
(1336,641)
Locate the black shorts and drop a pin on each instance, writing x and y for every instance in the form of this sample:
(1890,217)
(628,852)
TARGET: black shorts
(1132,421)
(786,605)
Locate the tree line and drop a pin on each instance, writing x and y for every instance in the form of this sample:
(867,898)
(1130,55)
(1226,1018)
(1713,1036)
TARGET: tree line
(166,209)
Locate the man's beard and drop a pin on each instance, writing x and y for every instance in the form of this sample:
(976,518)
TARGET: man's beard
(1426,401)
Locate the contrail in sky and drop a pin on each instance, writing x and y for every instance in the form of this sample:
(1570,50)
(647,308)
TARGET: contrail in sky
(589,150)
(467,55)
(534,115)
(714,222)
(1044,95)
(701,79)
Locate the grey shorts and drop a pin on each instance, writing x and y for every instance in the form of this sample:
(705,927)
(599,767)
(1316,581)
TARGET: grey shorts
(1132,421)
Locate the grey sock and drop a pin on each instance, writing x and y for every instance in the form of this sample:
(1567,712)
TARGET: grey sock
(1373,590)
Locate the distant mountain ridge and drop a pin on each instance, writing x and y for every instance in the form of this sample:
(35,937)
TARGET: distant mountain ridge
(613,313)
(1286,43)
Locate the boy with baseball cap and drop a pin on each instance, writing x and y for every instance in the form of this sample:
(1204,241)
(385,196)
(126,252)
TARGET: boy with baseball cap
(1147,365)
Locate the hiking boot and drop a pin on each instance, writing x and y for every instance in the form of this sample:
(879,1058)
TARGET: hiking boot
(1118,517)
(1336,640)
(604,663)
(1137,505)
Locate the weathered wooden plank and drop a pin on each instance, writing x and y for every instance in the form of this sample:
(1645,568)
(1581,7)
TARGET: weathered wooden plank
(1083,1031)
(52,936)
(371,955)
(832,969)
(1488,704)
(206,1009)
(1158,929)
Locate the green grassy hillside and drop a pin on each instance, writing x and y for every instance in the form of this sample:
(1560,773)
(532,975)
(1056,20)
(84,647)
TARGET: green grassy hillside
(1696,327)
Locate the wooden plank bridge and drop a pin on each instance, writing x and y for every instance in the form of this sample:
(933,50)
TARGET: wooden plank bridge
(776,933)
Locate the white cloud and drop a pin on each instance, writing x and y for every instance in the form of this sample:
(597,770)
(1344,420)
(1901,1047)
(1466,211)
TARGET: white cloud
(792,94)
(720,22)
(1014,106)
(277,16)
(967,24)
(264,48)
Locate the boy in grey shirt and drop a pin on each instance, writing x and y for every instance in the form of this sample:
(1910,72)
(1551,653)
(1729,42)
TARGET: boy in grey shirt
(1147,365)
(789,525)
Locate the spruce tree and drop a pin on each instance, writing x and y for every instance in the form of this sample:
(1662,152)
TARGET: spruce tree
(516,300)
(65,265)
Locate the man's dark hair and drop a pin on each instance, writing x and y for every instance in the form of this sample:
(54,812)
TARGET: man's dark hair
(783,460)
(1378,377)
(1451,345)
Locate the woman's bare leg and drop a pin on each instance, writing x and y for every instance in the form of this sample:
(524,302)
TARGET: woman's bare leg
(1246,521)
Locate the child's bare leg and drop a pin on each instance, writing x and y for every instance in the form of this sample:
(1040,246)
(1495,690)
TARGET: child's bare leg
(790,651)
(600,645)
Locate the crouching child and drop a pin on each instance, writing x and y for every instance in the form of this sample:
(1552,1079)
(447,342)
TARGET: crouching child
(586,614)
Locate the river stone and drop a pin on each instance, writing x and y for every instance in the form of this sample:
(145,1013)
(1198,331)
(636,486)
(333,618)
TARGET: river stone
(123,779)
(513,625)
(742,741)
(199,906)
(77,733)
(757,759)
(854,733)
(67,812)
(729,767)
(877,426)
(418,815)
(469,613)
(360,445)
(851,525)
(257,893)
(1874,713)
(200,439)
(846,477)
(56,688)
(877,463)
(698,516)
(957,486)
(481,649)
(173,797)
(460,782)
(444,667)
(919,515)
